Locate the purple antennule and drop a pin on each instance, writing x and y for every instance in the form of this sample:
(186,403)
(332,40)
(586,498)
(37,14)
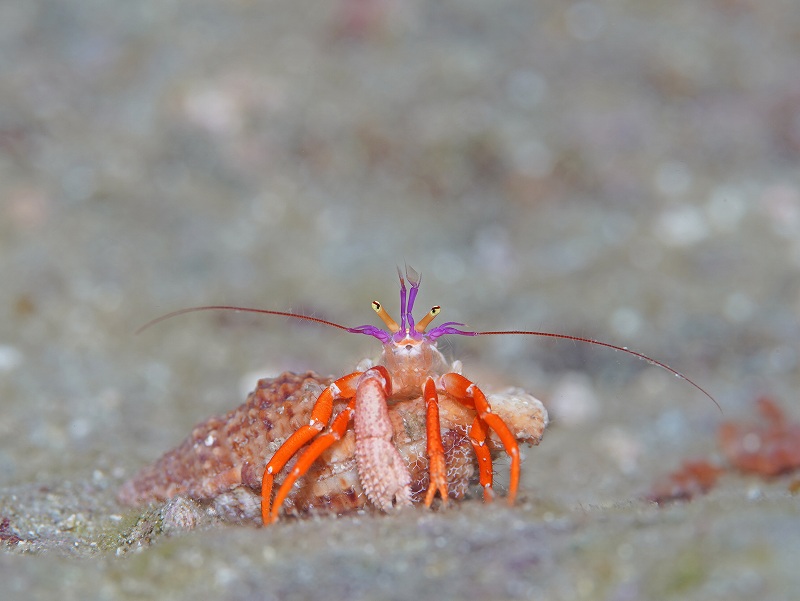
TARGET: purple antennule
(374,331)
(412,295)
(402,301)
(410,320)
(448,328)
(410,333)
(414,279)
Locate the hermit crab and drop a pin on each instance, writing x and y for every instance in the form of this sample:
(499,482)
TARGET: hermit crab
(420,429)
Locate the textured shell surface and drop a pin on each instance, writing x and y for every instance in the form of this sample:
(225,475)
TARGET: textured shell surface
(221,463)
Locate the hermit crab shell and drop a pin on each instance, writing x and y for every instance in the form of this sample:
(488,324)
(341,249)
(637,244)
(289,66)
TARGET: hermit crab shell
(221,463)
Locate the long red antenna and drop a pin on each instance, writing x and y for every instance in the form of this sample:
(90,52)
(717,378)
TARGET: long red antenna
(242,310)
(614,347)
(444,329)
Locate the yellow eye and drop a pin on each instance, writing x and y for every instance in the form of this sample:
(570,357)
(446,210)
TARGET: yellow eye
(390,323)
(425,321)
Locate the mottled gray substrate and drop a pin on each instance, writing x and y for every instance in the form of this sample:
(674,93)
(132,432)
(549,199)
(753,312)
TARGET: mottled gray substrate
(625,171)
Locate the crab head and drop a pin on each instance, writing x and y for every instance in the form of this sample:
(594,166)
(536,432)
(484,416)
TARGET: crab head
(409,349)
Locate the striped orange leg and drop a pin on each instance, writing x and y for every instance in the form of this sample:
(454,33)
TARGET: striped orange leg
(345,388)
(311,454)
(470,395)
(477,436)
(437,469)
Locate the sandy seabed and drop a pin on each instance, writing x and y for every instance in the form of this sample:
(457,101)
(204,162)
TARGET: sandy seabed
(623,171)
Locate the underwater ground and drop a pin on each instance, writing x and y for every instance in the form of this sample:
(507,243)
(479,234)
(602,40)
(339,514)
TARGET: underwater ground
(625,171)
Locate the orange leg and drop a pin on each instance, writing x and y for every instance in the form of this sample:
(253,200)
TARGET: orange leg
(477,436)
(469,394)
(345,388)
(311,454)
(436,464)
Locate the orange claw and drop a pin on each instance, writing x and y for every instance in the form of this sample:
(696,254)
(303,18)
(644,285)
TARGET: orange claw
(437,469)
(311,454)
(470,395)
(344,387)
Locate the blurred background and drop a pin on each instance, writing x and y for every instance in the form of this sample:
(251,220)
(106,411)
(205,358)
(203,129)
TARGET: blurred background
(618,170)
